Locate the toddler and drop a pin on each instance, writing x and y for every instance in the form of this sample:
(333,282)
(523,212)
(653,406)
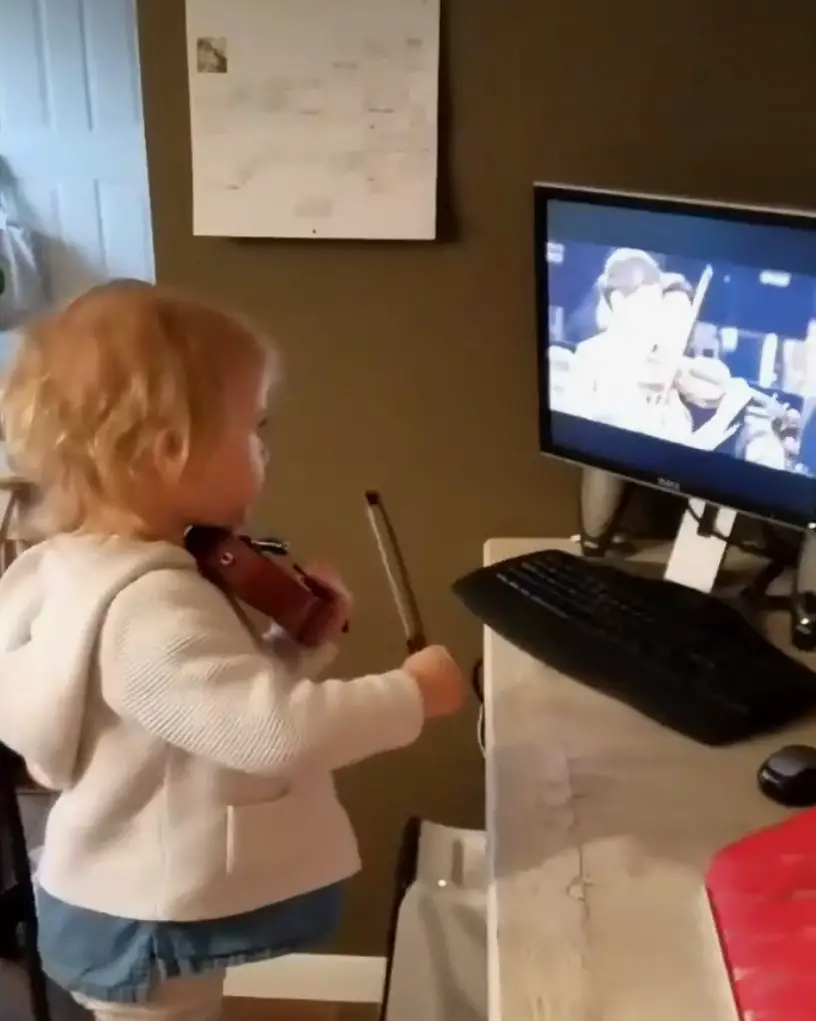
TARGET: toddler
(196,824)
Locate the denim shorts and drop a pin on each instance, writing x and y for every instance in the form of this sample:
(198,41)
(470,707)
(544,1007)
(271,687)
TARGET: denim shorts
(119,960)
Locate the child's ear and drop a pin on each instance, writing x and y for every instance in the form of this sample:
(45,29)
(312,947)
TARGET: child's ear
(169,454)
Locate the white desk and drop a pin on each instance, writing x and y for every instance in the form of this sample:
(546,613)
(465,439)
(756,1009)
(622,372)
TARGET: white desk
(601,824)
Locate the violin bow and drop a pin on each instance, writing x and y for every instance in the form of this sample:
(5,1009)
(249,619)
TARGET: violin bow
(688,329)
(396,572)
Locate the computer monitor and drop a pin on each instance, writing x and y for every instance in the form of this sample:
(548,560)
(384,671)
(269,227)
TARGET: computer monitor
(677,346)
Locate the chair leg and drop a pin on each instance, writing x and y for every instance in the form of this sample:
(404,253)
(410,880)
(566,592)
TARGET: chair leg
(11,911)
(37,981)
(406,874)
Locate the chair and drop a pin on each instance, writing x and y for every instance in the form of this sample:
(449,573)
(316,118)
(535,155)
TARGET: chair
(18,912)
(436,966)
(442,880)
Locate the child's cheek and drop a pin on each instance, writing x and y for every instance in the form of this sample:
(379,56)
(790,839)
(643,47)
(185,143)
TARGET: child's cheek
(257,458)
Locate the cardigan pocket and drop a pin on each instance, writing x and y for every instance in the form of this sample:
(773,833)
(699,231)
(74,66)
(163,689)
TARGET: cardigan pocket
(267,833)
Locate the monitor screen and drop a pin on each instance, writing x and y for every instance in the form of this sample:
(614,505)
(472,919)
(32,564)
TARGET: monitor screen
(677,346)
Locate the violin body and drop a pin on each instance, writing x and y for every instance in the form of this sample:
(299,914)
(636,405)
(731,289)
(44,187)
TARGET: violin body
(269,583)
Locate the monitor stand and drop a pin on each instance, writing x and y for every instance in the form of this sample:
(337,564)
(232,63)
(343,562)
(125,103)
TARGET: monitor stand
(700,545)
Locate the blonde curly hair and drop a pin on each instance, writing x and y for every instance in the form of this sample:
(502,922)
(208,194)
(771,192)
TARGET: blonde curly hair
(93,385)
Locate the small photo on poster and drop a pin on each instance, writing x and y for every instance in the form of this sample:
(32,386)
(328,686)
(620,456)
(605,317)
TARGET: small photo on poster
(211,55)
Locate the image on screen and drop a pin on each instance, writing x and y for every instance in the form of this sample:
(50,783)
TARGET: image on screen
(708,353)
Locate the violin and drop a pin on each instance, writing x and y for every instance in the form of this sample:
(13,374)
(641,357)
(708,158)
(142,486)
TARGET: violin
(260,574)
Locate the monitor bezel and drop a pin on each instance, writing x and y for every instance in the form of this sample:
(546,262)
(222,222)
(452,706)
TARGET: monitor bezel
(543,192)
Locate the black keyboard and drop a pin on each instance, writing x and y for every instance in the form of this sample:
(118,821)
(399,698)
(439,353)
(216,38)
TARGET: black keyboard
(687,660)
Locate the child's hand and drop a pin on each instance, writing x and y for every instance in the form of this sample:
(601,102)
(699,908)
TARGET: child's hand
(440,680)
(343,601)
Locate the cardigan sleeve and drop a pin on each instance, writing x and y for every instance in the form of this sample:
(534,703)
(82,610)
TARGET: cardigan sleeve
(308,662)
(176,659)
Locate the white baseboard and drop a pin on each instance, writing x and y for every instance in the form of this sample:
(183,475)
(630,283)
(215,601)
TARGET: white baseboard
(332,978)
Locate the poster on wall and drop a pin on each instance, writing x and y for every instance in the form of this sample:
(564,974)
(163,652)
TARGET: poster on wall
(314,118)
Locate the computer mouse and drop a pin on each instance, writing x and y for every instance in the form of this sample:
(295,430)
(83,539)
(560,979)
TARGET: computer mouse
(788,777)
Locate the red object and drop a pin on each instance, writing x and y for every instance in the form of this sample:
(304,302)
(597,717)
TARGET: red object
(763,896)
(273,585)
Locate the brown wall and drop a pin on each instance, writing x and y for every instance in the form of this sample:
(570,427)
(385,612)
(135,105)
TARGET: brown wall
(412,366)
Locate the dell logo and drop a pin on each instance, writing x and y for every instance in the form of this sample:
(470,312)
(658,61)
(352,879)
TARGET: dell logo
(669,484)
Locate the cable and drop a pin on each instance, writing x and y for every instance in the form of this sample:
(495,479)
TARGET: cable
(477,684)
(476,681)
(775,547)
(747,546)
(480,732)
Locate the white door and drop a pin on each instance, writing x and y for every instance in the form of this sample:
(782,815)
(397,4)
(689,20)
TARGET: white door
(72,137)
